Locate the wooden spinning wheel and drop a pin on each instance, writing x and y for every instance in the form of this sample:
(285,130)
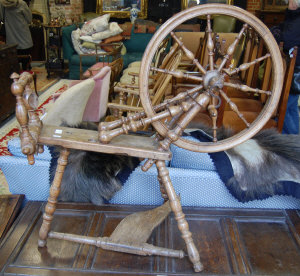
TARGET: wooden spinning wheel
(205,93)
(211,78)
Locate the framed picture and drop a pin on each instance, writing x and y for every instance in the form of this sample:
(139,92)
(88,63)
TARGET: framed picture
(274,5)
(62,2)
(121,8)
(191,3)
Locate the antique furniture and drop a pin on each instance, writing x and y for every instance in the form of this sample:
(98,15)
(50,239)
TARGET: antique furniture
(169,119)
(121,9)
(37,32)
(274,5)
(233,241)
(271,17)
(54,55)
(250,107)
(9,209)
(272,12)
(8,64)
(135,47)
(128,99)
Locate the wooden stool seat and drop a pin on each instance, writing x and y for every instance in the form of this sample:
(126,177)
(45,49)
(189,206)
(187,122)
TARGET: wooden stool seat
(83,139)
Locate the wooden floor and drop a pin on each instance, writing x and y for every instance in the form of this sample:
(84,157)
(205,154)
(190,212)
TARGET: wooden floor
(230,241)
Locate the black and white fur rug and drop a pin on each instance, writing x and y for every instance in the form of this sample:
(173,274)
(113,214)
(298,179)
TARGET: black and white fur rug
(266,165)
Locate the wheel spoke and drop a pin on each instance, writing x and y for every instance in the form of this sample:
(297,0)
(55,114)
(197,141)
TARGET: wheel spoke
(210,44)
(234,107)
(188,53)
(177,74)
(213,112)
(232,48)
(245,66)
(213,64)
(246,88)
(180,97)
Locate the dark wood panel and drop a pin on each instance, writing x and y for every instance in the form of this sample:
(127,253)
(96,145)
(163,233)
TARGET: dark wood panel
(230,242)
(9,209)
(8,65)
(271,17)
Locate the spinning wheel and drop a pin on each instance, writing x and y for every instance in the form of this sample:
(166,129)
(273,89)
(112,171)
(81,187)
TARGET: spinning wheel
(205,93)
(211,79)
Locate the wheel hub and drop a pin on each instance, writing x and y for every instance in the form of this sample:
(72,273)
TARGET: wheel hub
(213,79)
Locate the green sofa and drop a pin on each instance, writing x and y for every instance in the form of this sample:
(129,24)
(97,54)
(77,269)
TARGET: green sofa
(71,55)
(135,47)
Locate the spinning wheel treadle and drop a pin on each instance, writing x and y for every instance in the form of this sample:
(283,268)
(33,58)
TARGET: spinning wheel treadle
(206,94)
(212,77)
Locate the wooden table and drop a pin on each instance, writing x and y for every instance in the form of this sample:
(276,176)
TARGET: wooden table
(230,241)
(9,209)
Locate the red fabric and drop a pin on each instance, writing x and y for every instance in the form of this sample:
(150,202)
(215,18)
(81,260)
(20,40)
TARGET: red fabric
(115,38)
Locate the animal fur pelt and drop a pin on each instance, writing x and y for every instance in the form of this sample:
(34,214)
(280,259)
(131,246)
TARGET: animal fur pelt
(266,165)
(92,176)
(260,167)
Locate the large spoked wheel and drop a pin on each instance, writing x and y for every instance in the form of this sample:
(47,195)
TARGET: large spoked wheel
(211,72)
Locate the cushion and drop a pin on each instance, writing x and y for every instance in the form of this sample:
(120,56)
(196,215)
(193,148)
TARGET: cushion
(145,26)
(89,38)
(76,41)
(69,107)
(126,27)
(223,24)
(89,45)
(115,38)
(113,30)
(93,70)
(135,64)
(98,24)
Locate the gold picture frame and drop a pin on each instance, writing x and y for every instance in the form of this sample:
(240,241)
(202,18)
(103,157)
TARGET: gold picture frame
(190,3)
(121,8)
(274,5)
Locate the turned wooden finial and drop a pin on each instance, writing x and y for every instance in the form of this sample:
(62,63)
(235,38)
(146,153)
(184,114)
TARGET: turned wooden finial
(28,120)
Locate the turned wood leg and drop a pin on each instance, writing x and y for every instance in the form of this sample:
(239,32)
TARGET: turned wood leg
(52,200)
(183,226)
(162,189)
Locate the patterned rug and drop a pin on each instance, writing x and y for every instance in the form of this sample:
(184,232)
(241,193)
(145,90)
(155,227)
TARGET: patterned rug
(11,128)
(42,82)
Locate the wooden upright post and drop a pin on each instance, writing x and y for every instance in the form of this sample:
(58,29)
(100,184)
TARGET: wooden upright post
(183,226)
(52,200)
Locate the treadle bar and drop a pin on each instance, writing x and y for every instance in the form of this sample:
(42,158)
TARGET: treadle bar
(106,243)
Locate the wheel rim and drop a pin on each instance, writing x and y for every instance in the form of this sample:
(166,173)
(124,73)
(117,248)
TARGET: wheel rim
(277,71)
